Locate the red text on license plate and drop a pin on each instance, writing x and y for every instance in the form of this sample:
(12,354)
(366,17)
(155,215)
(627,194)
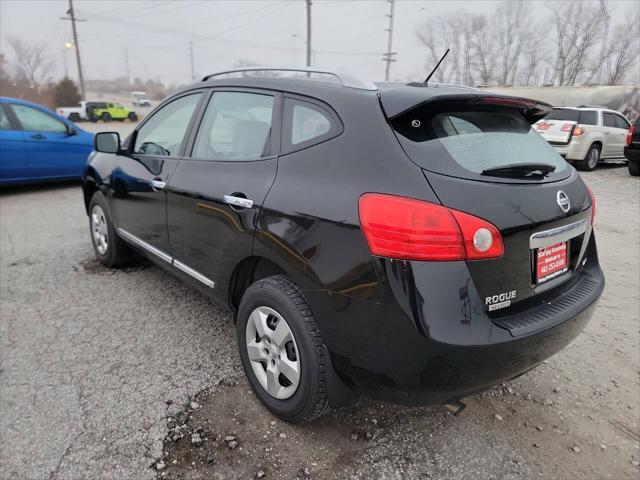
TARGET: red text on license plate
(551,261)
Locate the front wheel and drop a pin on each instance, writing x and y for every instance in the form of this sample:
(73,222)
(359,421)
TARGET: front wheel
(133,117)
(591,160)
(110,249)
(281,349)
(634,168)
(106,117)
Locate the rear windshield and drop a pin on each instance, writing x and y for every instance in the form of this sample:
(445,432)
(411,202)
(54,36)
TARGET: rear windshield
(564,114)
(467,142)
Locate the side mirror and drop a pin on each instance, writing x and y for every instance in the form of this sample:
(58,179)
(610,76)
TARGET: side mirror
(107,142)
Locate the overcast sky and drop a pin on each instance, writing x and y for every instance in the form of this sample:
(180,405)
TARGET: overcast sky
(156,34)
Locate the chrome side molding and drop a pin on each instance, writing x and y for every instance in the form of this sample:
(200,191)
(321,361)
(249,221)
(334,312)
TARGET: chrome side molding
(197,275)
(142,244)
(557,235)
(166,257)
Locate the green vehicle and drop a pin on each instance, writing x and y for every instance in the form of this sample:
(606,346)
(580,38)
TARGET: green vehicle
(107,111)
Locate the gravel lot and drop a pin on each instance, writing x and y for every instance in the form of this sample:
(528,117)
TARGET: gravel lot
(98,367)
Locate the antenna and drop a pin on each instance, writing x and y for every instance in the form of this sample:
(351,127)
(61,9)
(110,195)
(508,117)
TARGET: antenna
(426,81)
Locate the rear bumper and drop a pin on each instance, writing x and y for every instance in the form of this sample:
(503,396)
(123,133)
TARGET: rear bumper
(632,154)
(432,343)
(574,150)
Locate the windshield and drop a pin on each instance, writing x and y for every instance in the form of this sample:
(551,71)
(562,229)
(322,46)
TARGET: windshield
(563,114)
(474,141)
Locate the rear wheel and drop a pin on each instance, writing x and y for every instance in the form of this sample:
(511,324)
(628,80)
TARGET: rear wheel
(74,117)
(591,160)
(634,168)
(110,249)
(282,351)
(106,117)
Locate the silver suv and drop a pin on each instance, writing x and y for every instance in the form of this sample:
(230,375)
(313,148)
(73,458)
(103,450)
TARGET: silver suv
(585,135)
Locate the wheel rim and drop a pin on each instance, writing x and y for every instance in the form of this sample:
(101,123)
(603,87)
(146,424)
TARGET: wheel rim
(593,157)
(273,353)
(99,230)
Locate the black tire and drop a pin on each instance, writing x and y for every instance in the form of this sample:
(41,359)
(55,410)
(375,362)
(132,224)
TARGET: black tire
(634,168)
(74,117)
(106,117)
(133,117)
(591,159)
(118,253)
(310,399)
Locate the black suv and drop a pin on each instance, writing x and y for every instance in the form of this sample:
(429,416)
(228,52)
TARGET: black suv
(408,242)
(632,148)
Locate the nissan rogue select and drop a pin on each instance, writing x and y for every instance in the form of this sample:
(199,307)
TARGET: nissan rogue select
(406,242)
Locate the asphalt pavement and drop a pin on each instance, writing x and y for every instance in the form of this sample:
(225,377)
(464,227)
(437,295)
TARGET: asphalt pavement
(98,365)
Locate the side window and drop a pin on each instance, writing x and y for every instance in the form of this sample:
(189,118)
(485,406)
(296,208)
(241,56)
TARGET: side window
(621,122)
(4,120)
(608,120)
(38,121)
(235,126)
(306,124)
(163,133)
(588,117)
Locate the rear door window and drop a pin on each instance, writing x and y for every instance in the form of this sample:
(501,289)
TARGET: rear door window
(588,117)
(609,119)
(235,126)
(466,141)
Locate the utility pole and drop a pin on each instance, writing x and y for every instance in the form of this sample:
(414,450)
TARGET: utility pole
(388,54)
(193,75)
(126,65)
(73,19)
(308,33)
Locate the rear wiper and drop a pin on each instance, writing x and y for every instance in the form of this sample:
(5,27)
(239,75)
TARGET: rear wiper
(526,170)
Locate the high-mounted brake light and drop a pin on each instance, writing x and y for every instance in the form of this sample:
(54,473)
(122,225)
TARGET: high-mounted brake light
(409,229)
(593,205)
(630,134)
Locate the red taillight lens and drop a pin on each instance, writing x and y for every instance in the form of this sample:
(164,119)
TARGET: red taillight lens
(630,134)
(409,229)
(567,127)
(593,205)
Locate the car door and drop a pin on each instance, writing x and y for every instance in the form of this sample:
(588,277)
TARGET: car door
(610,130)
(53,151)
(215,195)
(137,183)
(622,128)
(13,150)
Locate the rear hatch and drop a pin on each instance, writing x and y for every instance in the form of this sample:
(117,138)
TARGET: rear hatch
(480,156)
(557,127)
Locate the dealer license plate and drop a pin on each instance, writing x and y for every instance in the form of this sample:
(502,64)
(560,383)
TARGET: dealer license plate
(551,262)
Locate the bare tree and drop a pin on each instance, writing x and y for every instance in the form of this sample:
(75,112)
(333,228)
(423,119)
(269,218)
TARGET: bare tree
(483,49)
(623,52)
(438,34)
(32,63)
(510,28)
(577,26)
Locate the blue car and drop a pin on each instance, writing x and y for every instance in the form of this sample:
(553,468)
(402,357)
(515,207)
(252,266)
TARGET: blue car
(37,145)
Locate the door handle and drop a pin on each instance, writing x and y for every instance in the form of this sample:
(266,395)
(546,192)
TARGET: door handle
(238,201)
(38,136)
(157,184)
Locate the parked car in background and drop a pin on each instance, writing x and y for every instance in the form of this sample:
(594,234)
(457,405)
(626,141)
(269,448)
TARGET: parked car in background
(36,144)
(139,99)
(632,148)
(74,114)
(585,135)
(413,243)
(107,111)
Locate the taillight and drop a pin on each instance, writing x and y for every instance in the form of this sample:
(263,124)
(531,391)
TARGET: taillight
(578,131)
(567,127)
(409,229)
(593,205)
(630,134)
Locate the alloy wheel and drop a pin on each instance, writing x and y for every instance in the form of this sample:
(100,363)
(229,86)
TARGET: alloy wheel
(594,156)
(99,229)
(273,353)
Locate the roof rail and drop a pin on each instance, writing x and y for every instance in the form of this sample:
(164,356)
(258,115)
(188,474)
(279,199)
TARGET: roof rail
(345,79)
